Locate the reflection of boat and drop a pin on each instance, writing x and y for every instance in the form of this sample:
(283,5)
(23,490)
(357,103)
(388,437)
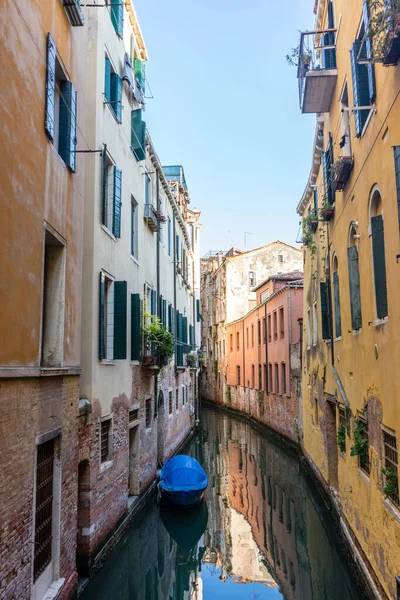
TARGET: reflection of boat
(183,480)
(185,527)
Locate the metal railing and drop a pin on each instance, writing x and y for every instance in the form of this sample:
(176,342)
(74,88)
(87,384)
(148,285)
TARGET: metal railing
(317,52)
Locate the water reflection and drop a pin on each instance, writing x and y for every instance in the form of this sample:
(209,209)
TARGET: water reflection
(261,533)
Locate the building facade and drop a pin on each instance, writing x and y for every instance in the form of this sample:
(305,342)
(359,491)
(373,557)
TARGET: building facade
(139,302)
(228,283)
(350,211)
(42,192)
(263,356)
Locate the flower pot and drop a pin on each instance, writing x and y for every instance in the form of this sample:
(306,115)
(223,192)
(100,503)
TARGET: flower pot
(328,213)
(314,225)
(148,360)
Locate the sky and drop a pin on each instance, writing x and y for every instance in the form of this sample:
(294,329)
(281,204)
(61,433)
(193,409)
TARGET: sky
(225,106)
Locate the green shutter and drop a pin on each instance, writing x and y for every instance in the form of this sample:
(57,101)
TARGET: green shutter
(120,310)
(336,295)
(177,248)
(327,166)
(117,202)
(325,317)
(315,201)
(368,51)
(354,284)
(191,341)
(50,87)
(102,341)
(164,313)
(136,339)
(107,79)
(138,135)
(396,150)
(153,303)
(197,310)
(117,16)
(360,85)
(67,122)
(116,96)
(170,318)
(378,248)
(104,185)
(140,73)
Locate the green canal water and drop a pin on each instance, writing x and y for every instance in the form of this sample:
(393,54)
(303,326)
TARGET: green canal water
(261,533)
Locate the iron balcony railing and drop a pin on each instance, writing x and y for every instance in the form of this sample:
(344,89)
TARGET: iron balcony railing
(74,12)
(150,214)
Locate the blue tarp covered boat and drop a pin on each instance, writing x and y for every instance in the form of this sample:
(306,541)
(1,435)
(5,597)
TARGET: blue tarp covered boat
(183,480)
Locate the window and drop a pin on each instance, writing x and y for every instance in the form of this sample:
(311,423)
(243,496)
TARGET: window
(169,246)
(253,377)
(275,318)
(363,458)
(133,415)
(336,298)
(362,72)
(260,386)
(252,279)
(378,254)
(112,321)
(269,330)
(327,167)
(112,90)
(354,283)
(148,415)
(60,107)
(308,328)
(396,150)
(315,325)
(237,340)
(282,323)
(117,15)
(264,331)
(111,195)
(138,135)
(280,258)
(53,302)
(136,330)
(264,296)
(252,335)
(43,550)
(276,378)
(231,342)
(170,402)
(270,386)
(105,440)
(391,470)
(325,316)
(177,399)
(247,337)
(259,332)
(134,228)
(342,426)
(283,378)
(148,190)
(238,375)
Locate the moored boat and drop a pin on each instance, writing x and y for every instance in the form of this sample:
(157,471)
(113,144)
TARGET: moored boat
(183,480)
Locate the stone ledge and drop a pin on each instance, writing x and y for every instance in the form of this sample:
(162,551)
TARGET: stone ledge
(14,372)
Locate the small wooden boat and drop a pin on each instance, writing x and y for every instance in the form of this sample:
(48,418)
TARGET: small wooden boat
(183,480)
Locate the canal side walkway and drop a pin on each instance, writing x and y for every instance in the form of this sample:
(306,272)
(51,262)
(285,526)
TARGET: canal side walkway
(360,565)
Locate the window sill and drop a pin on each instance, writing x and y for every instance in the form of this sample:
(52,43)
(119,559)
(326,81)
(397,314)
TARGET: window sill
(54,589)
(110,108)
(338,339)
(356,332)
(380,322)
(107,361)
(135,260)
(105,465)
(363,476)
(108,232)
(134,363)
(392,508)
(308,347)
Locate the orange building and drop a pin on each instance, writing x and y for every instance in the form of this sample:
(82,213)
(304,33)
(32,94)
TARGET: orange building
(263,355)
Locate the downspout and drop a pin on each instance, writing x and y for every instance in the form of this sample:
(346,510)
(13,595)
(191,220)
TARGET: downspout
(289,326)
(174,272)
(159,308)
(244,358)
(266,351)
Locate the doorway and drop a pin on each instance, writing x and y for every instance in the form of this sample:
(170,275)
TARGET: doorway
(134,460)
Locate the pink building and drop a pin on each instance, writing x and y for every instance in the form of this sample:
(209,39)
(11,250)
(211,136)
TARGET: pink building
(263,355)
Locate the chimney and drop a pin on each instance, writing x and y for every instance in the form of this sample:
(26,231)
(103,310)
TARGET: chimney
(219,255)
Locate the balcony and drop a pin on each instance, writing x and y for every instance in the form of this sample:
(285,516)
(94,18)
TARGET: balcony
(391,45)
(74,12)
(150,215)
(316,70)
(341,172)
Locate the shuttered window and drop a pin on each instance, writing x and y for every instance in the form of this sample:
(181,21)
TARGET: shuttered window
(105,431)
(112,318)
(378,250)
(67,124)
(140,73)
(117,15)
(397,173)
(325,317)
(327,166)
(354,285)
(336,296)
(362,73)
(328,39)
(111,195)
(43,507)
(138,135)
(113,89)
(136,333)
(164,313)
(50,86)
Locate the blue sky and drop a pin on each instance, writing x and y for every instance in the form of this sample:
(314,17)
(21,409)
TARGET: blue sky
(226,107)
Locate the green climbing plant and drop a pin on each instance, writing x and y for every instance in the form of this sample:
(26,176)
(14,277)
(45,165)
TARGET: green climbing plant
(360,439)
(391,487)
(156,334)
(341,438)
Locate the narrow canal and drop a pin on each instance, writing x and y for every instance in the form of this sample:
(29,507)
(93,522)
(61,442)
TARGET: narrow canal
(262,532)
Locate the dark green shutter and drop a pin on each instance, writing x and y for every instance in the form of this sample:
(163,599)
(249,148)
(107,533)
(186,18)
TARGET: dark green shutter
(138,134)
(378,248)
(117,16)
(368,51)
(325,318)
(102,341)
(336,295)
(360,85)
(191,341)
(315,201)
(177,248)
(354,284)
(136,339)
(120,310)
(107,79)
(67,122)
(153,303)
(164,313)
(117,202)
(170,318)
(50,87)
(185,333)
(140,73)
(116,96)
(327,166)
(328,39)
(197,310)
(397,174)
(104,185)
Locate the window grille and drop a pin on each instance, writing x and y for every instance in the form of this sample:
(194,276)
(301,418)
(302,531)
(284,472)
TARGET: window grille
(363,459)
(44,507)
(104,440)
(133,415)
(148,413)
(391,461)
(342,421)
(170,402)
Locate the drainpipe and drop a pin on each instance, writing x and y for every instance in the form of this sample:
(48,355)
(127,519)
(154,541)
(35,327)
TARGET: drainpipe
(244,358)
(300,322)
(157,295)
(266,351)
(175,264)
(330,299)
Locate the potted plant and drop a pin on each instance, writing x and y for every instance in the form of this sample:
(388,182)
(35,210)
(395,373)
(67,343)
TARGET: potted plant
(191,360)
(341,438)
(391,487)
(157,337)
(327,211)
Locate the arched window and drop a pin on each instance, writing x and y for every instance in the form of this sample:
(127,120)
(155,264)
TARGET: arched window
(283,378)
(276,378)
(378,253)
(354,279)
(336,298)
